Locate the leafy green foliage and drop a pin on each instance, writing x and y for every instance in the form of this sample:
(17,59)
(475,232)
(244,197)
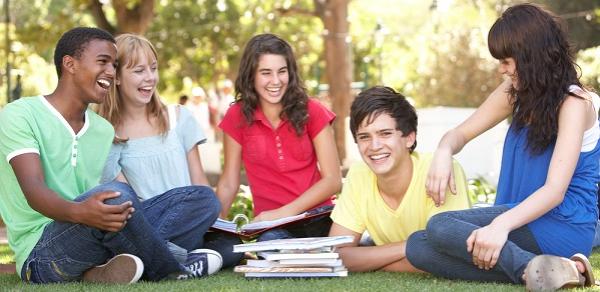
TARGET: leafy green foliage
(242,204)
(481,191)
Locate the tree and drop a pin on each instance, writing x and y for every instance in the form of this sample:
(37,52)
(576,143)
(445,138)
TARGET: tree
(133,16)
(338,68)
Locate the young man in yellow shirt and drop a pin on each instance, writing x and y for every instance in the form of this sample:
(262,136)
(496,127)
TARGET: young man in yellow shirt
(385,193)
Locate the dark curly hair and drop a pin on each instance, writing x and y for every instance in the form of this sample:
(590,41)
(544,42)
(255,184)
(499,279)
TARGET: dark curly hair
(536,39)
(73,42)
(374,101)
(295,99)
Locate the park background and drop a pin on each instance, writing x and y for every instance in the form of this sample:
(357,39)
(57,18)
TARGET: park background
(433,51)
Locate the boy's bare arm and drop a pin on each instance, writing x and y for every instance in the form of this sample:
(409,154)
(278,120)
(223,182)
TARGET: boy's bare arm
(92,212)
(367,258)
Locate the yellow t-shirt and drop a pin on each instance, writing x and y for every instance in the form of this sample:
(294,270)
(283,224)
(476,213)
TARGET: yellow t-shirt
(360,207)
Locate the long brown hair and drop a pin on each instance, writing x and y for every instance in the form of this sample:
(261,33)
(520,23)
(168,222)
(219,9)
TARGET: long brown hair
(130,49)
(536,39)
(295,99)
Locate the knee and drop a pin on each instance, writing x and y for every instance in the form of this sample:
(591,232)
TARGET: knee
(127,193)
(416,253)
(438,226)
(204,198)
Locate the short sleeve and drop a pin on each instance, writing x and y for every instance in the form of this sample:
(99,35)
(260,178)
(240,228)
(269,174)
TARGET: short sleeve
(16,133)
(233,122)
(318,117)
(189,130)
(347,210)
(460,201)
(112,167)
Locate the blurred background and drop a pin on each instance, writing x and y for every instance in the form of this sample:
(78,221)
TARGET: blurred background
(433,51)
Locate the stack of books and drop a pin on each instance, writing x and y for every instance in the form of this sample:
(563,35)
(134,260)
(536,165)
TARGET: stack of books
(294,258)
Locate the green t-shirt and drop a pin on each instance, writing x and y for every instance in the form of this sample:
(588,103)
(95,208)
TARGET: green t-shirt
(72,163)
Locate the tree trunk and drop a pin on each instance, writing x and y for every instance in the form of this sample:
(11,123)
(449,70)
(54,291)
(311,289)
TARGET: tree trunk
(338,68)
(130,18)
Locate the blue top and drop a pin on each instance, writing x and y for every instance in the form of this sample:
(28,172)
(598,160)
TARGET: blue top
(153,165)
(569,227)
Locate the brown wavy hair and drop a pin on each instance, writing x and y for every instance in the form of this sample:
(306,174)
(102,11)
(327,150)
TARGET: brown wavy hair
(130,49)
(295,99)
(536,39)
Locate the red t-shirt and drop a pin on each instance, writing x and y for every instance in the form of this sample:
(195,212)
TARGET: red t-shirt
(280,165)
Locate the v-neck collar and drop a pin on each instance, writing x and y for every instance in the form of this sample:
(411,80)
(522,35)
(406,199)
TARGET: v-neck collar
(396,212)
(60,117)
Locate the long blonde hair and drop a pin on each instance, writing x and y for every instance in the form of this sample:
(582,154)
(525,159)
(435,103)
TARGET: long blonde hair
(130,48)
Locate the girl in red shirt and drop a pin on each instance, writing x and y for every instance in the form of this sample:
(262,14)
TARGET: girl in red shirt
(284,139)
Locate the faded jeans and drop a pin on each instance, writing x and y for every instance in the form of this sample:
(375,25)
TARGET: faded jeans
(175,220)
(441,249)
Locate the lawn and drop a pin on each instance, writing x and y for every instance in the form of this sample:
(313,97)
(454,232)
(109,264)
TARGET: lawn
(229,281)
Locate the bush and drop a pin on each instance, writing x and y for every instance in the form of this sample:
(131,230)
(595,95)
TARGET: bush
(481,191)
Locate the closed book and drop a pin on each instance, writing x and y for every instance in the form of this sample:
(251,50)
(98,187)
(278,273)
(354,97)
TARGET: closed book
(272,256)
(296,275)
(307,243)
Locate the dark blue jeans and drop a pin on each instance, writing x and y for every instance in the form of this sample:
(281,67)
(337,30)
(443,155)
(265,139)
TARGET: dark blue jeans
(441,249)
(174,220)
(314,227)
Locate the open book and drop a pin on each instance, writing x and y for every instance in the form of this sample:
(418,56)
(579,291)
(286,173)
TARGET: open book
(252,229)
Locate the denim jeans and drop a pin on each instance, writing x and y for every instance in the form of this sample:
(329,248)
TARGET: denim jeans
(176,219)
(314,227)
(441,249)
(223,243)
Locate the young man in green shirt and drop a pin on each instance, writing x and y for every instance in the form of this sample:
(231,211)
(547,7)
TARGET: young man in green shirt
(61,226)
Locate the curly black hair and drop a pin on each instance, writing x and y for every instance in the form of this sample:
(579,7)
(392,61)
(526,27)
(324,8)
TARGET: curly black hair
(295,98)
(536,39)
(369,104)
(73,42)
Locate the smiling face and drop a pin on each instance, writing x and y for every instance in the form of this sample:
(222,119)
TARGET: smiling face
(381,145)
(271,78)
(94,70)
(508,67)
(137,78)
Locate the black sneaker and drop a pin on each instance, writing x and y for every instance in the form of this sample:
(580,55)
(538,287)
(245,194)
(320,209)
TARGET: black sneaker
(201,262)
(121,269)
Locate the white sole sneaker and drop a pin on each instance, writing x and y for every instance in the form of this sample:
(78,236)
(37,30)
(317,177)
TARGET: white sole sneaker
(121,269)
(214,259)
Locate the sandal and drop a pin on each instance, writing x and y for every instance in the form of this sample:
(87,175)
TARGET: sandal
(588,274)
(550,273)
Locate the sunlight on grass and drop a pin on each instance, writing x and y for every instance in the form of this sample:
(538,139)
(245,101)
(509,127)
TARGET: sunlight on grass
(6,255)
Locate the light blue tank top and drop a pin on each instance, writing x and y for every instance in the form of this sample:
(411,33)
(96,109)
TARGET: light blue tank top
(156,164)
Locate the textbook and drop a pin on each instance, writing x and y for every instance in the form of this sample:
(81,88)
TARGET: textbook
(295,263)
(296,275)
(274,256)
(307,243)
(250,269)
(294,258)
(250,230)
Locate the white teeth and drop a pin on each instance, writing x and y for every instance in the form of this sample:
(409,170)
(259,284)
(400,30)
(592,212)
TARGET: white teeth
(147,88)
(379,156)
(104,83)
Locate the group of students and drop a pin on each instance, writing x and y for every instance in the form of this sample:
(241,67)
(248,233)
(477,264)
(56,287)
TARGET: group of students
(118,192)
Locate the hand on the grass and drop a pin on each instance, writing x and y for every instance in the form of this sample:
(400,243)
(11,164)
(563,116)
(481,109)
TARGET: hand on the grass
(485,245)
(95,213)
(440,177)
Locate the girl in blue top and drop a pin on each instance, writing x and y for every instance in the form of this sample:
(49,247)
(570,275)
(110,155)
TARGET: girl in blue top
(546,200)
(156,153)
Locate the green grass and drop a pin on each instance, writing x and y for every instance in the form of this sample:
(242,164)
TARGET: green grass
(229,281)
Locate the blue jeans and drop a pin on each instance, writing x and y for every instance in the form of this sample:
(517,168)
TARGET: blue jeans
(441,249)
(174,220)
(314,227)
(223,243)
